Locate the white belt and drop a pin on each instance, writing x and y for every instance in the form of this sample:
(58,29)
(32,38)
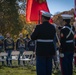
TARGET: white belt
(40,40)
(69,41)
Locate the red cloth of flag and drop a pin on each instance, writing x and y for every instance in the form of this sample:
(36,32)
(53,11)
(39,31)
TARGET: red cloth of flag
(28,9)
(33,10)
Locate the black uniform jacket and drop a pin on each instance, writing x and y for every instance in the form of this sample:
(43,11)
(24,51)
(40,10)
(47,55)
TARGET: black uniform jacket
(44,31)
(8,44)
(21,44)
(31,45)
(66,47)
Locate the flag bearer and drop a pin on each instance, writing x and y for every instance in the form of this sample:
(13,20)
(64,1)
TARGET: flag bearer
(67,45)
(44,35)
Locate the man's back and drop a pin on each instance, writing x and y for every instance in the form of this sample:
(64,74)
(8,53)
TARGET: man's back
(44,32)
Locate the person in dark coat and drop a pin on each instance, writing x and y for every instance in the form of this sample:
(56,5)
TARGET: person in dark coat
(20,46)
(44,35)
(1,47)
(67,45)
(75,43)
(31,45)
(9,47)
(27,39)
(75,50)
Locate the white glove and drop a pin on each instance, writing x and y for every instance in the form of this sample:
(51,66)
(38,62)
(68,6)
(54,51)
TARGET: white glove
(61,55)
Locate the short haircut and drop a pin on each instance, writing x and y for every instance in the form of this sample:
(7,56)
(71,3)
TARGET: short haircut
(67,21)
(47,18)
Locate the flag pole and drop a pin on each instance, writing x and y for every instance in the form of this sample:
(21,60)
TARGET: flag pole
(39,17)
(74,9)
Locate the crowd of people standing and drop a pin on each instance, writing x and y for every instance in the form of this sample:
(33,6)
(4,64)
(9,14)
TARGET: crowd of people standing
(8,45)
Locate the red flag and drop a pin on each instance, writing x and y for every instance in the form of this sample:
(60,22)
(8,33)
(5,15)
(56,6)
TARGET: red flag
(28,9)
(36,6)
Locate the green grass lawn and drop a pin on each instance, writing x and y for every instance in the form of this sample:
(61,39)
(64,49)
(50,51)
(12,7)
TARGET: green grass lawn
(21,71)
(25,70)
(16,71)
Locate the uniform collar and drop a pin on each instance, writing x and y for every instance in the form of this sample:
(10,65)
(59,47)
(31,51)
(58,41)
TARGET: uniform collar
(45,22)
(67,25)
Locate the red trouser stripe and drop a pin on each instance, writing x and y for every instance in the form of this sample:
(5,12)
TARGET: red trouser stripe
(61,65)
(75,60)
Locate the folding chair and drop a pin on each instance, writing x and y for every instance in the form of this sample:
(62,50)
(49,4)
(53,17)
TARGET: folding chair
(28,57)
(3,54)
(14,55)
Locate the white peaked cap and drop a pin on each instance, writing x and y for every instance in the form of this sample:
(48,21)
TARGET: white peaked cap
(66,16)
(46,14)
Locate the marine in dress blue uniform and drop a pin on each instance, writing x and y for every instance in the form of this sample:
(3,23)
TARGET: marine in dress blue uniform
(21,46)
(75,50)
(44,35)
(75,42)
(9,47)
(67,45)
(1,46)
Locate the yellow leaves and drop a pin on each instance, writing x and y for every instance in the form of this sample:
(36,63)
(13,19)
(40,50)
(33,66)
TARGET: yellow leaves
(24,31)
(9,18)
